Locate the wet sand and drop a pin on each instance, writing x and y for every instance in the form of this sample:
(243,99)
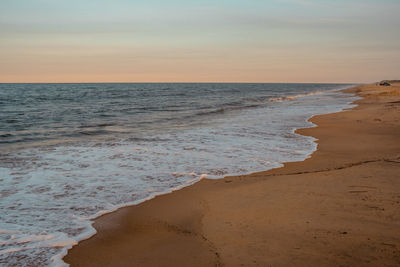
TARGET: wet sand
(341,207)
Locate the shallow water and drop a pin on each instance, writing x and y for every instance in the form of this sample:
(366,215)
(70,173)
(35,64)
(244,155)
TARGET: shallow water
(70,152)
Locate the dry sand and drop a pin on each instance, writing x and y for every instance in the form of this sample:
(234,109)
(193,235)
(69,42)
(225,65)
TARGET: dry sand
(341,207)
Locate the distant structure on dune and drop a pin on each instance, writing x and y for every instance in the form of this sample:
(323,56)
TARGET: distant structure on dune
(384,83)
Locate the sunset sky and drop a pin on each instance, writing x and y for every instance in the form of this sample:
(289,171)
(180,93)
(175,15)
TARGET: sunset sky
(199,41)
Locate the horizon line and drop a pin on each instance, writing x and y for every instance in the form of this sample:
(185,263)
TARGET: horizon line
(188,82)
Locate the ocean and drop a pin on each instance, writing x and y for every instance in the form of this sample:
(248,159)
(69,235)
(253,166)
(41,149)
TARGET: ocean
(71,152)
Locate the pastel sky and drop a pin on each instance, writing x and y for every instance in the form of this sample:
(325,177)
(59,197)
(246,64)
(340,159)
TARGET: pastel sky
(199,41)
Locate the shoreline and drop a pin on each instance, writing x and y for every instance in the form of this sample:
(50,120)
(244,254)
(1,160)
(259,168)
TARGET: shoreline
(58,259)
(155,225)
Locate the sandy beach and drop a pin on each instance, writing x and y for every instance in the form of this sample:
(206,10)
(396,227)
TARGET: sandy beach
(340,207)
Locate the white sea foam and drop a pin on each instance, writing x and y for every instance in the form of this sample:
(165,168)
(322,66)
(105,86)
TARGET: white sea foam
(50,195)
(293,97)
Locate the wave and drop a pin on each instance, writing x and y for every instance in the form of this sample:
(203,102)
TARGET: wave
(226,109)
(97,125)
(293,97)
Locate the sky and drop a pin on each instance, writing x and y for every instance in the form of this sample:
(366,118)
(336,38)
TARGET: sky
(349,41)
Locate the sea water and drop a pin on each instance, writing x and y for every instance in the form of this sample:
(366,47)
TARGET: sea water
(71,152)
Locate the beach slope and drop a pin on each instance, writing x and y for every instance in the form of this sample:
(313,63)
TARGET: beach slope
(340,207)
